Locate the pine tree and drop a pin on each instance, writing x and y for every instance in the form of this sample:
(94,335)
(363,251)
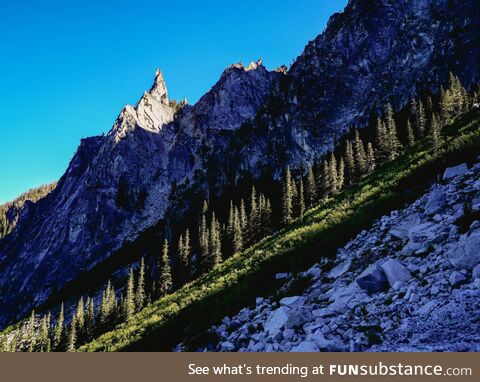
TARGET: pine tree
(203,241)
(31,332)
(140,291)
(129,302)
(187,247)
(381,142)
(267,218)
(230,228)
(333,174)
(371,162)
(43,334)
(301,200)
(80,318)
(254,217)
(341,174)
(446,106)
(349,163)
(418,111)
(237,235)
(89,318)
(410,135)
(310,188)
(107,305)
(294,197)
(215,255)
(394,145)
(59,329)
(360,156)
(287,196)
(72,335)
(435,129)
(243,216)
(165,273)
(325,181)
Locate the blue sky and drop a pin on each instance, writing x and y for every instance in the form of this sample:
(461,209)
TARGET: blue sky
(68,67)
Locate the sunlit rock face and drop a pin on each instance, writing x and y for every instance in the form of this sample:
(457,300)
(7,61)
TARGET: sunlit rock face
(253,121)
(118,185)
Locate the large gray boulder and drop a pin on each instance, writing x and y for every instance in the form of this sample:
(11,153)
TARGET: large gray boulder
(436,202)
(466,253)
(293,302)
(284,317)
(453,172)
(340,269)
(396,272)
(373,280)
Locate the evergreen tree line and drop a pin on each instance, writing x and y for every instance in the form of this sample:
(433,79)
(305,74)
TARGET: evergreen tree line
(355,159)
(244,226)
(216,242)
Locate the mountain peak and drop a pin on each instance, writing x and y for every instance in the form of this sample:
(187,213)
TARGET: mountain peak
(159,88)
(151,113)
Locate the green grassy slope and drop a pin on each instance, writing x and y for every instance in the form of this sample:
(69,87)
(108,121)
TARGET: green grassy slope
(236,283)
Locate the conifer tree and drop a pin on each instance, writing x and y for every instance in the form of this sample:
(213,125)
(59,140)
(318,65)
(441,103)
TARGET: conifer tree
(301,200)
(310,188)
(187,247)
(215,255)
(360,156)
(165,274)
(333,176)
(349,163)
(107,304)
(72,335)
(410,135)
(420,116)
(325,181)
(267,218)
(237,236)
(31,332)
(394,145)
(435,129)
(43,334)
(80,318)
(203,240)
(129,302)
(243,216)
(89,318)
(341,174)
(140,291)
(230,226)
(287,196)
(59,329)
(254,217)
(381,142)
(371,161)
(445,103)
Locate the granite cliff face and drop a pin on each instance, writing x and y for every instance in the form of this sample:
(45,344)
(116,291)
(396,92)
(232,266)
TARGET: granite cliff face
(373,53)
(251,121)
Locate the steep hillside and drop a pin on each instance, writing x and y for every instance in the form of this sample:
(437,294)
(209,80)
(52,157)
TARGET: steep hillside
(324,229)
(409,283)
(158,162)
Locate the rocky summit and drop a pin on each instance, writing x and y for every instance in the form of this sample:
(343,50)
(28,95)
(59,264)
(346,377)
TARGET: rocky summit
(253,121)
(409,283)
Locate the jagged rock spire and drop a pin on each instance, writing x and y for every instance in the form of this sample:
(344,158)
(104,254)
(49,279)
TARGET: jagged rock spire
(159,88)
